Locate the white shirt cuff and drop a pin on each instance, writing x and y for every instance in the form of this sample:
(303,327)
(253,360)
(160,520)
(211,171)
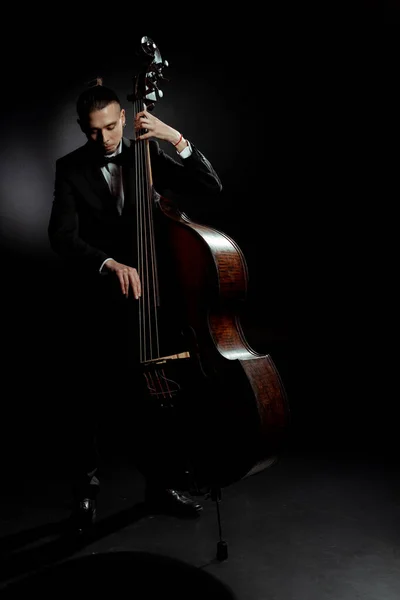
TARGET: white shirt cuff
(102,265)
(186,152)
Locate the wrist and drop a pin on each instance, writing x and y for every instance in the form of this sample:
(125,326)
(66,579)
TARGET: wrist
(108,264)
(177,139)
(180,143)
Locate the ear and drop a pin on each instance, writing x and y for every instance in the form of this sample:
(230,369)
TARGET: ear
(123,116)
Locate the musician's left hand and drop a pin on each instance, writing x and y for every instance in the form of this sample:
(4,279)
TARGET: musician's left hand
(155,128)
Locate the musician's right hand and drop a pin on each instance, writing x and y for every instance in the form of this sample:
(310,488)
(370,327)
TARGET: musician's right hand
(128,277)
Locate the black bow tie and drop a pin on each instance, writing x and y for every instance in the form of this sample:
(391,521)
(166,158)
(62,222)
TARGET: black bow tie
(117,160)
(101,160)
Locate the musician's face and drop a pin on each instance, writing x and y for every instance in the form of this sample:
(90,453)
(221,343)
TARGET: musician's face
(105,127)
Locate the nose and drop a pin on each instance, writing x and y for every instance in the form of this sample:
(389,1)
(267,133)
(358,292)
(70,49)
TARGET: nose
(101,137)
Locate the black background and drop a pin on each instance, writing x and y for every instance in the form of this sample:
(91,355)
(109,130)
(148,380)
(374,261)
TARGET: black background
(260,98)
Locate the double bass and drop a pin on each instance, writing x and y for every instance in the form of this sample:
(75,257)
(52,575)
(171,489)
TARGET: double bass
(226,402)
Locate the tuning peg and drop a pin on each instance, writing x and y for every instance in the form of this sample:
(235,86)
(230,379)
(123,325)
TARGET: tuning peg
(159,67)
(155,95)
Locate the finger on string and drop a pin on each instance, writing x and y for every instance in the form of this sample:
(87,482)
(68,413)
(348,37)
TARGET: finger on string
(134,287)
(123,285)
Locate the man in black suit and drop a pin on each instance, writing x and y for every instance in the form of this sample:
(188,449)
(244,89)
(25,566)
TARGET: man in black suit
(93,226)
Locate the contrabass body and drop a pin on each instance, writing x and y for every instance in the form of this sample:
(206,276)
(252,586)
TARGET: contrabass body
(231,398)
(225,401)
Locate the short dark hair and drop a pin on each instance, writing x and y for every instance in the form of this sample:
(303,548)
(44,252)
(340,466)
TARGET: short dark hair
(94,98)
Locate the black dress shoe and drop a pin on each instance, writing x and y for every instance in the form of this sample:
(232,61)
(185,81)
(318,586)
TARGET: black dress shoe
(83,516)
(171,502)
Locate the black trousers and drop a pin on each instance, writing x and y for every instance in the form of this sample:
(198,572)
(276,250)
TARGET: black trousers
(109,414)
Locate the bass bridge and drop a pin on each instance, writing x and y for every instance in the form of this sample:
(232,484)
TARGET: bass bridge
(164,378)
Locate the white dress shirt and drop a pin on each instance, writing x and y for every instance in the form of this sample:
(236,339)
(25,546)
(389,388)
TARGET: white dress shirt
(113,176)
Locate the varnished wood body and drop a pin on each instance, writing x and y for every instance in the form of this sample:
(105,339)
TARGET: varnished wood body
(234,402)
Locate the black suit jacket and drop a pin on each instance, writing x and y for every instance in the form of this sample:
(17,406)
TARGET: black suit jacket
(85,227)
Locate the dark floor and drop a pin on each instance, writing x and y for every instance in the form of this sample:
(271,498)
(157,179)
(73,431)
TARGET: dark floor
(311,527)
(322,523)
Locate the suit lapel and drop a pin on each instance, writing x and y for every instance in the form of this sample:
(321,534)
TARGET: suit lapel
(99,185)
(101,193)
